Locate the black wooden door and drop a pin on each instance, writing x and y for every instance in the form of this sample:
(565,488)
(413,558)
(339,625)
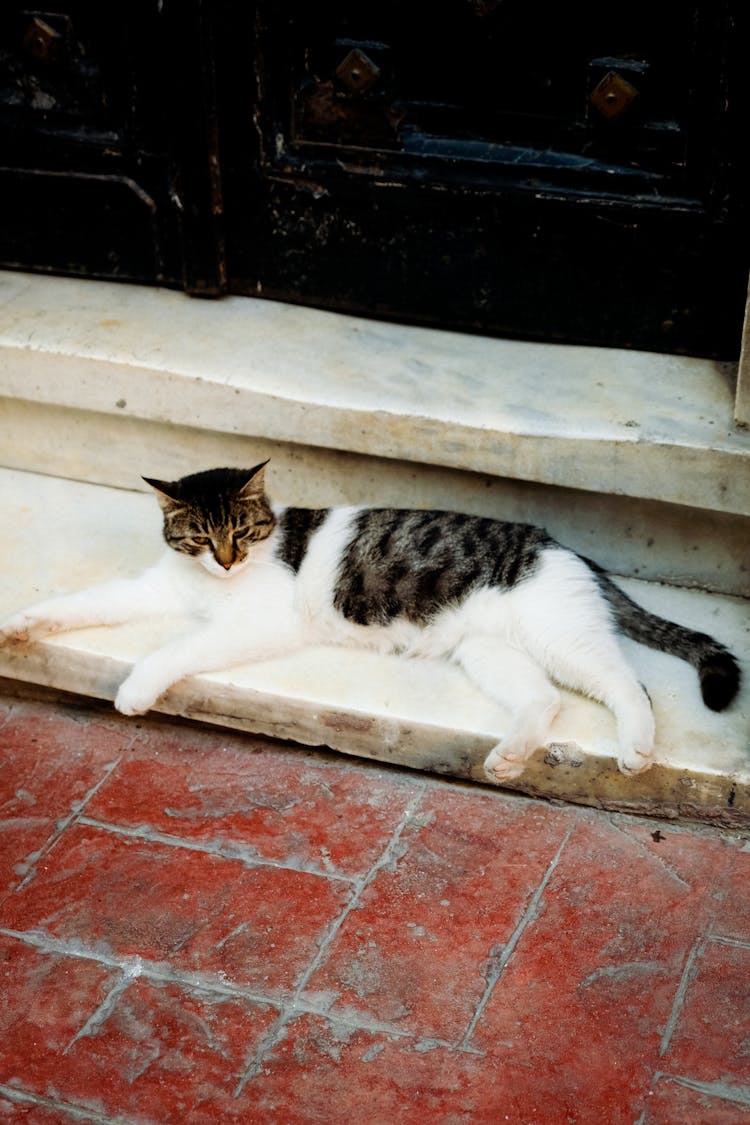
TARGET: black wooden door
(551,171)
(547,170)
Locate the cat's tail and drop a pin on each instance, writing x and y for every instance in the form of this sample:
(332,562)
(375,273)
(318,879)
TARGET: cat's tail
(717,669)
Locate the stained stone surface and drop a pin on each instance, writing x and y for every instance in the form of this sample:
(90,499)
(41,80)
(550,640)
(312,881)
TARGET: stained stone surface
(63,535)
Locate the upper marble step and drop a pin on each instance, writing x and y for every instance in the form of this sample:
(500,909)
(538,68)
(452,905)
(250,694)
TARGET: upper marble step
(608,421)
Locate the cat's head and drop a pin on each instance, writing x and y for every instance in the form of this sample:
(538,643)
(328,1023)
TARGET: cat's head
(216,516)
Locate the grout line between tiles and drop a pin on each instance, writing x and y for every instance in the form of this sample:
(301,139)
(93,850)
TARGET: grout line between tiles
(735,943)
(104,1011)
(651,855)
(739,1095)
(246,855)
(72,817)
(73,1112)
(133,967)
(529,915)
(387,856)
(361,1023)
(295,1006)
(688,973)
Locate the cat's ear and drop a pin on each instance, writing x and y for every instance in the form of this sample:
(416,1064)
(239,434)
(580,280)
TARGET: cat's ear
(166,492)
(255,483)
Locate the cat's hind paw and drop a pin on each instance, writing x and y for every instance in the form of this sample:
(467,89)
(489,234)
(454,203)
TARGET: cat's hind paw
(634,761)
(501,767)
(636,733)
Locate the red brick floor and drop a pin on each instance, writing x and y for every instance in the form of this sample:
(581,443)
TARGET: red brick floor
(197,927)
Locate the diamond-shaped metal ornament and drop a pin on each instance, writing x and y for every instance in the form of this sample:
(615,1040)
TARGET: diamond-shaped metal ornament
(41,41)
(613,95)
(357,72)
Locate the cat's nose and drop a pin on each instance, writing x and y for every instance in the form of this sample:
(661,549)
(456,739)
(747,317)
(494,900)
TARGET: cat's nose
(224,556)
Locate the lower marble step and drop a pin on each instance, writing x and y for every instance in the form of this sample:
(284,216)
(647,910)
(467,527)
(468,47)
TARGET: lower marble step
(61,535)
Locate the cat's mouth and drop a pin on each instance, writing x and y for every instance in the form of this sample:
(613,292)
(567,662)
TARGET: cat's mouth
(217,570)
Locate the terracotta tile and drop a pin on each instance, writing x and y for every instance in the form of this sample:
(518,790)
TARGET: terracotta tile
(570,1034)
(323,1071)
(22,840)
(417,950)
(48,999)
(200,912)
(165,1055)
(29,1113)
(280,802)
(161,1051)
(733,915)
(49,762)
(587,994)
(269,931)
(56,757)
(711,1040)
(671,1103)
(716,867)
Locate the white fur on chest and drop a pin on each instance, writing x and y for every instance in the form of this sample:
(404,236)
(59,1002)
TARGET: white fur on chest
(256,593)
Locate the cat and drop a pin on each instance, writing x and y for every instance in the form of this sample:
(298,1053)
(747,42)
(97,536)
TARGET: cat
(518,612)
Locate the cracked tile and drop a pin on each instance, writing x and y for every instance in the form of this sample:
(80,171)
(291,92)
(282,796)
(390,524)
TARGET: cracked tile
(49,764)
(159,1053)
(285,806)
(671,1102)
(239,932)
(418,949)
(711,1038)
(174,905)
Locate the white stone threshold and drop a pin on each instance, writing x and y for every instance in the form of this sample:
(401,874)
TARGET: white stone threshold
(60,535)
(603,420)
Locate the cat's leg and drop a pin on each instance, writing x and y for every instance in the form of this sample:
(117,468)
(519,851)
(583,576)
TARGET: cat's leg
(601,671)
(210,648)
(562,620)
(108,603)
(517,682)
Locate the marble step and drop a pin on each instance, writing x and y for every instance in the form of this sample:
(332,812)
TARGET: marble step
(60,535)
(629,457)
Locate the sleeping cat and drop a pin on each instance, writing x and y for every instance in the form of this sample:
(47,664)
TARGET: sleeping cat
(504,601)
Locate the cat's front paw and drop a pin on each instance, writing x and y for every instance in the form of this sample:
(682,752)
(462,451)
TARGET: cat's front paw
(20,629)
(134,699)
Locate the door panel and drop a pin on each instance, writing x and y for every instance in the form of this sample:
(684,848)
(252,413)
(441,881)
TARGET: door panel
(107,142)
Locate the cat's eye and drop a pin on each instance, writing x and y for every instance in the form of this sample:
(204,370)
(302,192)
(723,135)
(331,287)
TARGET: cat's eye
(200,540)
